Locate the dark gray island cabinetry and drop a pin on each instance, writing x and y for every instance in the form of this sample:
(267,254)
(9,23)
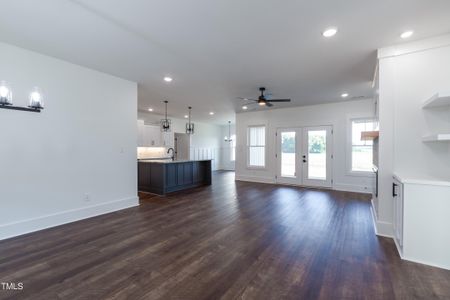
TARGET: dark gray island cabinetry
(166,176)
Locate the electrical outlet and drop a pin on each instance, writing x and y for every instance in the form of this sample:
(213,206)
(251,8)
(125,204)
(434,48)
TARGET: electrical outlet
(87,197)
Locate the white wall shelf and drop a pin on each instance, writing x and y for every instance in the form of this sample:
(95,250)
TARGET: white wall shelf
(439,137)
(437,101)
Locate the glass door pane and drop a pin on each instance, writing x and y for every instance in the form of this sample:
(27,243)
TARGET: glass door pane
(288,154)
(317,154)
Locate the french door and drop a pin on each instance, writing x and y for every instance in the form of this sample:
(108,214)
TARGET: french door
(288,155)
(304,156)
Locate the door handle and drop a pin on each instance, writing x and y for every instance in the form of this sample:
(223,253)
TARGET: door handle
(394,194)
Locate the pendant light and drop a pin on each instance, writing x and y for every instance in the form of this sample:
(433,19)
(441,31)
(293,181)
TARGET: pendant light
(228,138)
(166,123)
(190,125)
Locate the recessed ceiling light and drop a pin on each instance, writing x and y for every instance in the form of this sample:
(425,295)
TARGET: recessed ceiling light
(407,34)
(329,32)
(344,95)
(168,79)
(244,107)
(150,109)
(211,113)
(186,116)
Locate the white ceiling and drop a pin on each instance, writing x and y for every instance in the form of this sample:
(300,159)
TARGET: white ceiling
(219,50)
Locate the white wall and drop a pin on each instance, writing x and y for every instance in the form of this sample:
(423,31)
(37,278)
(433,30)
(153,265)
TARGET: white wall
(409,74)
(335,114)
(205,142)
(83,142)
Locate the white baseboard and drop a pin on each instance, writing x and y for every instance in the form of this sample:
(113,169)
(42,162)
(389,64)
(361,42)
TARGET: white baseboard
(258,179)
(337,187)
(418,261)
(225,168)
(26,226)
(381,228)
(350,188)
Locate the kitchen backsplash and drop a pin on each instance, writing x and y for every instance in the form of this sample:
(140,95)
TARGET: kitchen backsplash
(151,152)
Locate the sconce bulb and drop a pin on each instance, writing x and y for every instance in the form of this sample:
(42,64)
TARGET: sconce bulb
(5,94)
(4,91)
(36,98)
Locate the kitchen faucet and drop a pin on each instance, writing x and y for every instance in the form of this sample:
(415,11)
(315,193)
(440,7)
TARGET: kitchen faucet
(173,153)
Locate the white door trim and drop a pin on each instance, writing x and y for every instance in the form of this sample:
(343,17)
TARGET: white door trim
(301,148)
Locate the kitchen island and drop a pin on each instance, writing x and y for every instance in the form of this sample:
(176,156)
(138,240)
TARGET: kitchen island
(166,176)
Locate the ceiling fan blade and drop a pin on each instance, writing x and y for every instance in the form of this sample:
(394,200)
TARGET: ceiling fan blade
(246,99)
(268,104)
(279,100)
(252,103)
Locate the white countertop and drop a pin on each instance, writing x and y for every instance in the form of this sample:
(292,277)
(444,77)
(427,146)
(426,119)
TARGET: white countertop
(420,179)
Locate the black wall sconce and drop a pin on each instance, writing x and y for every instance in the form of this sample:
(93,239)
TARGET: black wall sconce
(36,99)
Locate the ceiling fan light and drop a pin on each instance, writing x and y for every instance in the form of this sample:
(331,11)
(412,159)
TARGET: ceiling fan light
(261,103)
(329,32)
(407,34)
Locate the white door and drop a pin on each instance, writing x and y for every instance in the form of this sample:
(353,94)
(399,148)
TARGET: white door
(288,155)
(182,146)
(317,156)
(168,139)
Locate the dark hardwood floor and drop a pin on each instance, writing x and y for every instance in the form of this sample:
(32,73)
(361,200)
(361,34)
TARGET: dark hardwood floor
(226,241)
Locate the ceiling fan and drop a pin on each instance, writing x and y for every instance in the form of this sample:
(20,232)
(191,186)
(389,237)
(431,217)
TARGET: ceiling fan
(263,101)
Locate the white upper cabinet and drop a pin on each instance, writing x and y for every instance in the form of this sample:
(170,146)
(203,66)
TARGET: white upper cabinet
(152,136)
(149,135)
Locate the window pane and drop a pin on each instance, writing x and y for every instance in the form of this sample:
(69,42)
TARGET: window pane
(359,126)
(256,156)
(288,154)
(257,136)
(317,154)
(257,142)
(362,158)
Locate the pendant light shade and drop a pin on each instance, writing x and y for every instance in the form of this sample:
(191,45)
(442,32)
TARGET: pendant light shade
(190,125)
(228,138)
(166,124)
